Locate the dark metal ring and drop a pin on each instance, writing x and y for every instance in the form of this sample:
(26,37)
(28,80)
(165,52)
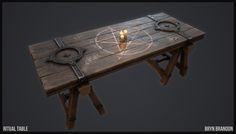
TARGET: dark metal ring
(71,61)
(167,29)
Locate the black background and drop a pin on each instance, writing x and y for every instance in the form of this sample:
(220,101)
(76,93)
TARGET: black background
(133,96)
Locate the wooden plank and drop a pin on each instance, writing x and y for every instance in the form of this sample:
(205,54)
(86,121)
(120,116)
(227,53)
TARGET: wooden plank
(58,81)
(46,68)
(40,50)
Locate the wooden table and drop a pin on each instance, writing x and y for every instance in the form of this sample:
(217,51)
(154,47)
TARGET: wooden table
(104,55)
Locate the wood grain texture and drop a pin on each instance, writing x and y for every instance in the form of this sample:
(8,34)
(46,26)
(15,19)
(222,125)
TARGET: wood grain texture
(93,53)
(97,62)
(41,50)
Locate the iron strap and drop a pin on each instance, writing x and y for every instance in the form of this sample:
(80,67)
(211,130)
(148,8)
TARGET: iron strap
(59,42)
(72,60)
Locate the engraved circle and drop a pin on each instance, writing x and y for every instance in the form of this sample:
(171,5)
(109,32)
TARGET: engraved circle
(138,40)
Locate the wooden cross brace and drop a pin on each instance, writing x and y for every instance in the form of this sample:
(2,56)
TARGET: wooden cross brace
(69,102)
(165,74)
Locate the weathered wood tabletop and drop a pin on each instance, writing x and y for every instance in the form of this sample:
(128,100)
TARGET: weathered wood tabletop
(102,55)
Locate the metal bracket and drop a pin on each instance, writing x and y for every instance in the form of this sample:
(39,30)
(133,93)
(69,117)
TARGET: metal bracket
(169,26)
(68,55)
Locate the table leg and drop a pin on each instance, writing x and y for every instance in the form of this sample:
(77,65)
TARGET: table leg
(70,106)
(96,102)
(154,65)
(165,73)
(184,60)
(87,89)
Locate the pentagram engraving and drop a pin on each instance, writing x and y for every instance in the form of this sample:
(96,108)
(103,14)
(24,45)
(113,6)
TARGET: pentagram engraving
(138,41)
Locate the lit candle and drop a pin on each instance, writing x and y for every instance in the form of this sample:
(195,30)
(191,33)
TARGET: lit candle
(121,32)
(125,34)
(123,40)
(122,37)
